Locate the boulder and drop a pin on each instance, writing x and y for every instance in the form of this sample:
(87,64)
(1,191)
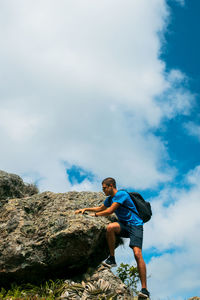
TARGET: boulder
(12,186)
(41,237)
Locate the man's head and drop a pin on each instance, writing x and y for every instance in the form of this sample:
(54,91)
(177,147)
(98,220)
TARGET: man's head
(109,186)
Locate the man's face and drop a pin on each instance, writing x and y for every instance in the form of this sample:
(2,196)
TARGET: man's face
(107,189)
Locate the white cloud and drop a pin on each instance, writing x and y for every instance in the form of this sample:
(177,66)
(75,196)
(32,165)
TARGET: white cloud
(18,125)
(193,129)
(193,176)
(81,83)
(172,206)
(177,275)
(174,228)
(177,99)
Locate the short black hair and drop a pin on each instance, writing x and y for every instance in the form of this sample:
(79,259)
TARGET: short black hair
(109,180)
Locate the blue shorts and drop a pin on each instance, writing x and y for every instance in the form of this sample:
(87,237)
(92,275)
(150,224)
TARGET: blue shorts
(135,233)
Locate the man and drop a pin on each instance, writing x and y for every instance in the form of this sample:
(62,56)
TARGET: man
(129,225)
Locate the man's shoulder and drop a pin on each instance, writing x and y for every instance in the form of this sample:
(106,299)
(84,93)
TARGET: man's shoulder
(121,195)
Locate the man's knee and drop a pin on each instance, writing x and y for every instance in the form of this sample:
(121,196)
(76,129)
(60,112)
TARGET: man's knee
(113,227)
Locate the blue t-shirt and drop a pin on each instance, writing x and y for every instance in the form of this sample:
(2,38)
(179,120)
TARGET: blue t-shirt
(121,212)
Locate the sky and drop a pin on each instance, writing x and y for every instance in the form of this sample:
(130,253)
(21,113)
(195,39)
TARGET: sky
(91,89)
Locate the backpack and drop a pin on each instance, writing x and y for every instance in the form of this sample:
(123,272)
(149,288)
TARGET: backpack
(143,207)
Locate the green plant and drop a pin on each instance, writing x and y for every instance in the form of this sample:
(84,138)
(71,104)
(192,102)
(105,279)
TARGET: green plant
(2,293)
(129,275)
(50,290)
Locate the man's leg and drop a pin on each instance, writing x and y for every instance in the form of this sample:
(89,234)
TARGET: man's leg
(141,266)
(112,230)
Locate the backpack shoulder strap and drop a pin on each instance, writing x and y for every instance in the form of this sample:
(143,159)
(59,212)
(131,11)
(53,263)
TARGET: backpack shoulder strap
(135,212)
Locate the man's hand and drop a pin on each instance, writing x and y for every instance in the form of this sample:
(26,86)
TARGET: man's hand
(80,211)
(92,214)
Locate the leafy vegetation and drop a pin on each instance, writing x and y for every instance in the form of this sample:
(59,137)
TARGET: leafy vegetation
(48,291)
(130,276)
(51,290)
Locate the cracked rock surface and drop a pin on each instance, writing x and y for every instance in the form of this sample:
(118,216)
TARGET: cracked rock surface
(101,284)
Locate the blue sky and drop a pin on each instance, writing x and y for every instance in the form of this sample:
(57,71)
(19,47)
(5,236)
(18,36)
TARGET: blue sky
(182,49)
(110,88)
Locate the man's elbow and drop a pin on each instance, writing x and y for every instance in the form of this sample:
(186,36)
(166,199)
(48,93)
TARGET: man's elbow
(109,211)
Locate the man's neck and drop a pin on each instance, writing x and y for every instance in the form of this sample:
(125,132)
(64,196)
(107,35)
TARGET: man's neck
(114,191)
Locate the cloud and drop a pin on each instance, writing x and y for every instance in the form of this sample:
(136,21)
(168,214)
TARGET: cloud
(171,207)
(18,125)
(84,83)
(173,229)
(176,275)
(193,129)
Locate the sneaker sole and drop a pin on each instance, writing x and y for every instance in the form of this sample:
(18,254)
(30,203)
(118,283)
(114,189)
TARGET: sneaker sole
(141,295)
(109,266)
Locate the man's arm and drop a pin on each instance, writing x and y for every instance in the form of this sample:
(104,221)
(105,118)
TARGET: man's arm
(107,211)
(95,209)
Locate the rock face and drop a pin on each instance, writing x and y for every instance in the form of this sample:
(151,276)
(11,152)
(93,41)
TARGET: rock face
(12,186)
(41,236)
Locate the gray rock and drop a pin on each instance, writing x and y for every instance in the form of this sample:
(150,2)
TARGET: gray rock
(101,284)
(41,236)
(12,186)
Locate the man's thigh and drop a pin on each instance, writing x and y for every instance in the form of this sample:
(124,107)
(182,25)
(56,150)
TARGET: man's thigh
(115,226)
